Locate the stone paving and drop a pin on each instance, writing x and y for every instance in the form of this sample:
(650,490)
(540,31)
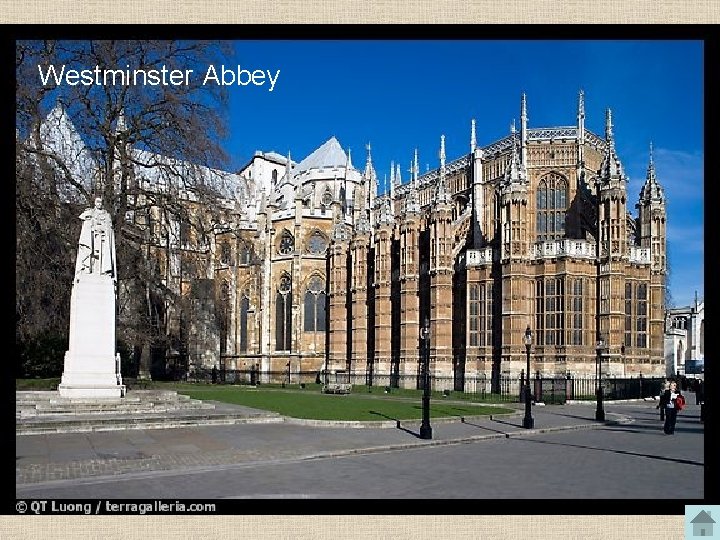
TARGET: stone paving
(65,456)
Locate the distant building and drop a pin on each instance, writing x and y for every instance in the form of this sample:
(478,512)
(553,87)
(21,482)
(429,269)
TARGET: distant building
(685,340)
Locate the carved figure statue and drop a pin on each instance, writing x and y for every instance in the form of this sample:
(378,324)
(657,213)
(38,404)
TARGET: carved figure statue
(96,249)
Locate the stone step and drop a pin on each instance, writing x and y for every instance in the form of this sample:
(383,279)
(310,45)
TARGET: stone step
(125,409)
(78,425)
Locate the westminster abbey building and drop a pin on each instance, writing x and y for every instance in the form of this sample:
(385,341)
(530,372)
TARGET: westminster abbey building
(318,271)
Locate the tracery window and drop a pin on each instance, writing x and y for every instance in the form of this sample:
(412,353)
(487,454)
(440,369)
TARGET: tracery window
(317,243)
(480,314)
(244,309)
(554,323)
(224,316)
(245,253)
(283,315)
(551,203)
(287,243)
(628,314)
(576,312)
(225,253)
(642,315)
(315,305)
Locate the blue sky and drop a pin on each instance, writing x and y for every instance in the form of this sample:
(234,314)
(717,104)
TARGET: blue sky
(401,95)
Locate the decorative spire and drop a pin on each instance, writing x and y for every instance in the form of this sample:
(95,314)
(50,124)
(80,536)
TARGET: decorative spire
(411,199)
(651,190)
(608,127)
(392,180)
(416,169)
(611,168)
(442,152)
(512,126)
(442,196)
(349,160)
(523,129)
(473,139)
(398,175)
(288,166)
(369,170)
(581,127)
(515,173)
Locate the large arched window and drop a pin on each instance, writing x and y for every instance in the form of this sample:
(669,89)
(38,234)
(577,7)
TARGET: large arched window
(274,176)
(287,243)
(224,316)
(225,253)
(641,316)
(315,305)
(245,253)
(551,203)
(283,315)
(244,308)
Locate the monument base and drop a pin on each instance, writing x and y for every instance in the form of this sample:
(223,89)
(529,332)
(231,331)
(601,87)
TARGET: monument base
(94,391)
(92,367)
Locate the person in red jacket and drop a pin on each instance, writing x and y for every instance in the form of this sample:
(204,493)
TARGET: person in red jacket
(671,401)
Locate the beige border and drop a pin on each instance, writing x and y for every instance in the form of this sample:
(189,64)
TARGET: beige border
(340,527)
(350,11)
(360,11)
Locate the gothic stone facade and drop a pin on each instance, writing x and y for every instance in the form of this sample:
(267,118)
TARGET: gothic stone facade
(320,271)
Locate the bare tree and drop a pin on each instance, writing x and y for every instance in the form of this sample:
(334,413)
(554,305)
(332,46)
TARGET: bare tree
(142,148)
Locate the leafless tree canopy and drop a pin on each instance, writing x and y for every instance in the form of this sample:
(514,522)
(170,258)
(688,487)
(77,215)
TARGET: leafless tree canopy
(139,146)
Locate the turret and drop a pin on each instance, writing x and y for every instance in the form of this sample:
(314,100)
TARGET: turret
(613,197)
(651,220)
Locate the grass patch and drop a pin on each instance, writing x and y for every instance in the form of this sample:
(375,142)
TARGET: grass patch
(37,384)
(314,405)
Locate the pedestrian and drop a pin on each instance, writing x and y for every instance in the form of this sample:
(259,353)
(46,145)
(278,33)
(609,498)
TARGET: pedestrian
(662,409)
(671,401)
(699,394)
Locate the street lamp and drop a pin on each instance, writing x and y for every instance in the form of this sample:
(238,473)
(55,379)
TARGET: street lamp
(528,421)
(599,412)
(425,429)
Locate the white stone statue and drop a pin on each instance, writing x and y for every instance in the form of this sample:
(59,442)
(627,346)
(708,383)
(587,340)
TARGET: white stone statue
(96,250)
(92,365)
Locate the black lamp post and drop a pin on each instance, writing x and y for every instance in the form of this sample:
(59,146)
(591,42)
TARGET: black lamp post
(425,429)
(599,412)
(528,421)
(599,344)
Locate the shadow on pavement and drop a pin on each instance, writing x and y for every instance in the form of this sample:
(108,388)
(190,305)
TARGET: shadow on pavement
(624,452)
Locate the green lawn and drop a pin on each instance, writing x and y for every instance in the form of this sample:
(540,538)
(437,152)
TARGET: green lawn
(314,405)
(362,404)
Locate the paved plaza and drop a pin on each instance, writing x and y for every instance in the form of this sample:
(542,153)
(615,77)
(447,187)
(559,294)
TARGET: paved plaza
(567,455)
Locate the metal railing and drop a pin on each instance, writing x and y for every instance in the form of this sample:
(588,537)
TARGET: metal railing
(549,390)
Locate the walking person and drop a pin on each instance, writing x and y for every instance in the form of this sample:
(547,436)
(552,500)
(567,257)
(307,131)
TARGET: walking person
(671,401)
(662,409)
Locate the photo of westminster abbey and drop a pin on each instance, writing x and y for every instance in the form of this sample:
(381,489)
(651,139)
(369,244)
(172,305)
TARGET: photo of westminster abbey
(318,265)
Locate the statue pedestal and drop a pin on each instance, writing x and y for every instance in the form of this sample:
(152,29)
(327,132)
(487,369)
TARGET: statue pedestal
(91,369)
